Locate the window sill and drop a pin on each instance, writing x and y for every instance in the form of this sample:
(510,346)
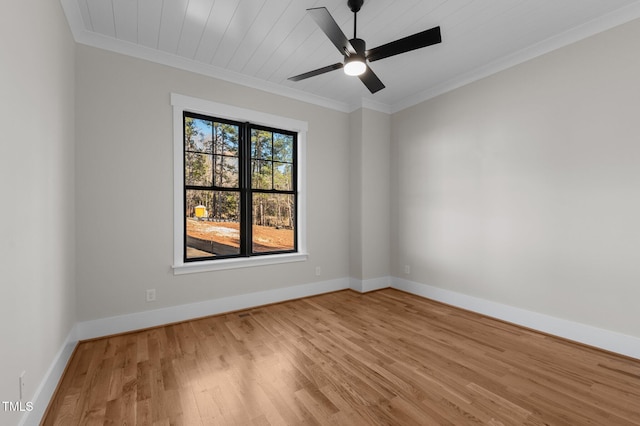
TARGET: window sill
(237,263)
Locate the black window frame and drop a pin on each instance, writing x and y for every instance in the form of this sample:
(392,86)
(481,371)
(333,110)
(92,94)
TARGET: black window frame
(245,189)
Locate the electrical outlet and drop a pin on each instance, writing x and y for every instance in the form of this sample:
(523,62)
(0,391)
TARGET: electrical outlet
(151,295)
(21,385)
(318,271)
(407,269)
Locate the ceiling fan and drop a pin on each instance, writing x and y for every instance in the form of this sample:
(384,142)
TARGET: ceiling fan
(355,53)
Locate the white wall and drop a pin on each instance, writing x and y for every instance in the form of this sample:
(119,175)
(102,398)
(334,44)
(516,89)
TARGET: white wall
(125,193)
(524,188)
(37,306)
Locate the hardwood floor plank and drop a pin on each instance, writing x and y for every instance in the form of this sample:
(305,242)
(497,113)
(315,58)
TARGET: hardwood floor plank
(381,358)
(143,412)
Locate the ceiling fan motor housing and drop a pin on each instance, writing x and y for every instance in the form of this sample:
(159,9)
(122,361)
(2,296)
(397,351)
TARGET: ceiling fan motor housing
(359,45)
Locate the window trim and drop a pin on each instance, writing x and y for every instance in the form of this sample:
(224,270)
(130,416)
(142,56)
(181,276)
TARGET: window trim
(181,103)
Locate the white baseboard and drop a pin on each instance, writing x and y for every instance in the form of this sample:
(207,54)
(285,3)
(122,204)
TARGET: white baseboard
(140,320)
(47,387)
(589,335)
(120,324)
(364,286)
(604,339)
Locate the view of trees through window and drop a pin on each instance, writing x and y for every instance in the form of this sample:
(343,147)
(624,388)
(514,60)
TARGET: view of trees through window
(240,194)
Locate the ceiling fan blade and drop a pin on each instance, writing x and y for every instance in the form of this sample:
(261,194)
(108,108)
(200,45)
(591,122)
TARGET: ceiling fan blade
(407,44)
(329,26)
(371,80)
(316,72)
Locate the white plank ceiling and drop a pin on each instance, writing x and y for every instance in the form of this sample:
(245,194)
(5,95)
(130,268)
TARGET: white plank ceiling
(261,43)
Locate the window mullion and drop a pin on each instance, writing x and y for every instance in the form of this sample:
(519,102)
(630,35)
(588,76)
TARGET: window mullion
(245,188)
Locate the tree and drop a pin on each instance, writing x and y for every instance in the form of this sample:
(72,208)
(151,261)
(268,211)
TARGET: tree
(198,160)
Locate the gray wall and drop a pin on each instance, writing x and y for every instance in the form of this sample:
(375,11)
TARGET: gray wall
(125,188)
(521,188)
(524,188)
(37,306)
(369,140)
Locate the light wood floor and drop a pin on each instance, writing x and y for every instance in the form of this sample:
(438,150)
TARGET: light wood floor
(345,359)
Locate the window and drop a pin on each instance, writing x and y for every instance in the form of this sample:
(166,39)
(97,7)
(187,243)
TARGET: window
(239,189)
(240,180)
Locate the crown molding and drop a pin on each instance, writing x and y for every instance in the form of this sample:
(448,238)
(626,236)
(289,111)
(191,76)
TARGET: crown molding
(74,17)
(600,24)
(588,29)
(83,36)
(373,105)
(168,59)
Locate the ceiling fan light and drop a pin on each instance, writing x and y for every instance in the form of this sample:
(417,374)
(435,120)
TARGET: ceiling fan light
(354,66)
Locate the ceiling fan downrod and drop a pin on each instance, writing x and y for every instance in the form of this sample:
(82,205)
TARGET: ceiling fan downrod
(355,6)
